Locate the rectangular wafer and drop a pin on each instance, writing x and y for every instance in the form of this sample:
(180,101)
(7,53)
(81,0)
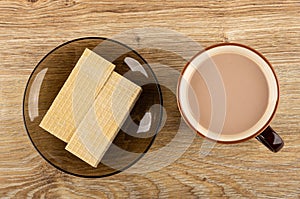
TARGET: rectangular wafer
(104,119)
(77,95)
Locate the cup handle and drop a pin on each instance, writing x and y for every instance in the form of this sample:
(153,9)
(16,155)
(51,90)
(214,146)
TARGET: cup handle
(270,139)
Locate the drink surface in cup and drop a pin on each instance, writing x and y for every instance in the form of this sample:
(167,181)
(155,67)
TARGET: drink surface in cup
(246,92)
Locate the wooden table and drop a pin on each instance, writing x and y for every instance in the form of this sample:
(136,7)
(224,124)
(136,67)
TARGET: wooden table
(31,28)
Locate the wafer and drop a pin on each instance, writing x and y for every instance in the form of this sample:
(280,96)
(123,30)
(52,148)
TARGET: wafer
(104,119)
(77,95)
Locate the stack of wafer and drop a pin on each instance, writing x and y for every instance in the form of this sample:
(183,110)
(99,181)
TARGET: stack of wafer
(91,107)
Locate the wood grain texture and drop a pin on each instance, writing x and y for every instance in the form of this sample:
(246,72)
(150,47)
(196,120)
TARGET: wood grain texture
(31,28)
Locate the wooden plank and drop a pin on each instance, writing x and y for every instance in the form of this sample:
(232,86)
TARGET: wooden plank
(29,30)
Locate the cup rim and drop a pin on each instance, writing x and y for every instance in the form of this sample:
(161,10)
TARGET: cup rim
(219,45)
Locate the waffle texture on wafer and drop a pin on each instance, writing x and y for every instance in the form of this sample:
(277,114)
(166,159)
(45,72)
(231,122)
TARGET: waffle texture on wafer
(104,119)
(77,95)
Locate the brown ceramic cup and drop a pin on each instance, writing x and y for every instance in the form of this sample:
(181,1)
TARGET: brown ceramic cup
(229,93)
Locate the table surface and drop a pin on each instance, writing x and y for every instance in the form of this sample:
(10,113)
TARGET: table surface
(31,28)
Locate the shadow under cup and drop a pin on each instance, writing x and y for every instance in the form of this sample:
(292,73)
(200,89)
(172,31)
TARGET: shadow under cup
(229,93)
